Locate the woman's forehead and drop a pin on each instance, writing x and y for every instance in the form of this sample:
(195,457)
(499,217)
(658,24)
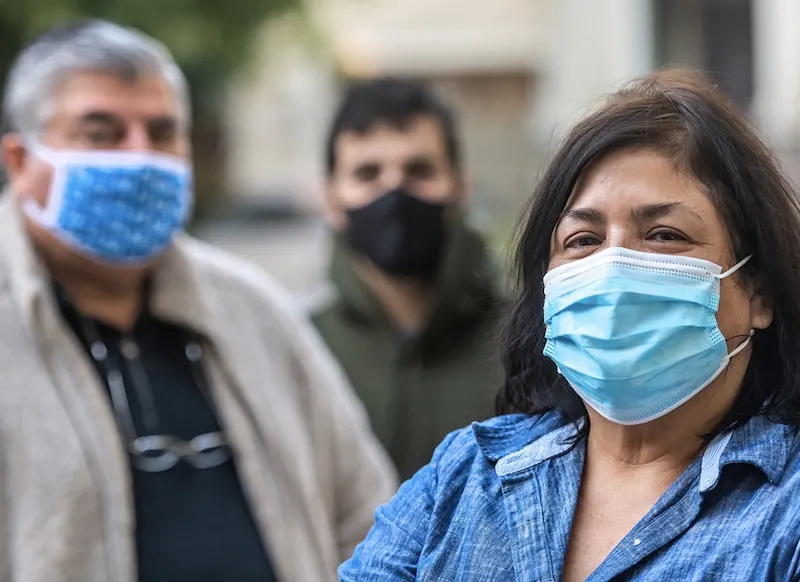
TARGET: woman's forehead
(632,179)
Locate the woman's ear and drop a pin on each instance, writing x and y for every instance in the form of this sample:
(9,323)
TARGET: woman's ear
(761,310)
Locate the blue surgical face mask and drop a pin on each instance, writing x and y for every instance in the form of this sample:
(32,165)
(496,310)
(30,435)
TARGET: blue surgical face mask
(635,334)
(117,207)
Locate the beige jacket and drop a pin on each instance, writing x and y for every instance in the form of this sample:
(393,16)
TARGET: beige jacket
(307,459)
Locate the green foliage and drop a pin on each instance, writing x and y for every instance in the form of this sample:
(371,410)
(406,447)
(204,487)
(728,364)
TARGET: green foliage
(209,38)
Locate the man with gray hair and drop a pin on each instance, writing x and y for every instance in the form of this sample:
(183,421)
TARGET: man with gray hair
(164,414)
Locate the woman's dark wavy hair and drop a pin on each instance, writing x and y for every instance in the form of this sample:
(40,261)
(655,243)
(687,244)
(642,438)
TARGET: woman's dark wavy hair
(678,114)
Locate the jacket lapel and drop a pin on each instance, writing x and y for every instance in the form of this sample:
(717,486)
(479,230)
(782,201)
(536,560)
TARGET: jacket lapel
(271,487)
(87,404)
(251,375)
(258,413)
(77,385)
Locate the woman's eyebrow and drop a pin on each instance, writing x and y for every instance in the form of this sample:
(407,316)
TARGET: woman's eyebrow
(647,212)
(583,215)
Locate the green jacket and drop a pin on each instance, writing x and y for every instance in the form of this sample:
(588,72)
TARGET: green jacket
(418,389)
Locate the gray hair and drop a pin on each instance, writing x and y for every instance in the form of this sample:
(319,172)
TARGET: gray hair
(88,45)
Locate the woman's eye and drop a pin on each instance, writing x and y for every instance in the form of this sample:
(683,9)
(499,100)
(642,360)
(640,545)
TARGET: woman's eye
(667,236)
(582,241)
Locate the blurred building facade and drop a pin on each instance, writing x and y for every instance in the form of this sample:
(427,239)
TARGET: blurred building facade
(478,54)
(518,71)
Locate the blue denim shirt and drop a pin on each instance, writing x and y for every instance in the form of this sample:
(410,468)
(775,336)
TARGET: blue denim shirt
(496,504)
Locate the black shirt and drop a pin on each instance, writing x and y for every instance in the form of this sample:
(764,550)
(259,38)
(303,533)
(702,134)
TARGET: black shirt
(192,525)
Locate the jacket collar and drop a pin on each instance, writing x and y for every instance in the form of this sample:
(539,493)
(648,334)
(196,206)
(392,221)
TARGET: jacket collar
(22,273)
(176,293)
(467,288)
(517,442)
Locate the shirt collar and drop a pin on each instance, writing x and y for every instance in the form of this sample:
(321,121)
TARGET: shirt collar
(518,442)
(761,443)
(502,436)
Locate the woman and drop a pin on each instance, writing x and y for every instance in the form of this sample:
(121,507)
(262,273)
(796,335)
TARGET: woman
(652,363)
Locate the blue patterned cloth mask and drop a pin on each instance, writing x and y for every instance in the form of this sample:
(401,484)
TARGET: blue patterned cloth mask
(118,207)
(635,334)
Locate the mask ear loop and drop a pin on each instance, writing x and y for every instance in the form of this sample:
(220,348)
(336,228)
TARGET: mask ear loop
(45,215)
(736,351)
(41,151)
(734,268)
(740,348)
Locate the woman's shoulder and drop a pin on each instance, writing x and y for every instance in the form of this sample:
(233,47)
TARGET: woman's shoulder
(431,517)
(481,445)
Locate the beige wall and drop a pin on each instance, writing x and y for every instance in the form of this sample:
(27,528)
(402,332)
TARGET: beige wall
(276,116)
(520,73)
(429,36)
(477,52)
(499,155)
(589,47)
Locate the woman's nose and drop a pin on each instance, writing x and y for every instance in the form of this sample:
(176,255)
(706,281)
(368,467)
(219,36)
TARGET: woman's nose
(622,235)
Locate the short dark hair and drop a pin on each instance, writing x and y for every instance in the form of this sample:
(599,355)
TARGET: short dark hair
(676,113)
(396,102)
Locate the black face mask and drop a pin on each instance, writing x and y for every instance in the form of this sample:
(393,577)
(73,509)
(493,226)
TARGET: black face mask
(401,234)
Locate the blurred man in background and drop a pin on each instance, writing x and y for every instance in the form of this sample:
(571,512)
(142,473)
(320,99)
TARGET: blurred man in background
(414,304)
(162,410)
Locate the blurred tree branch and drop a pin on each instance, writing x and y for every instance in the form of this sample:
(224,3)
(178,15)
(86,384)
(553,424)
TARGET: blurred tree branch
(210,39)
